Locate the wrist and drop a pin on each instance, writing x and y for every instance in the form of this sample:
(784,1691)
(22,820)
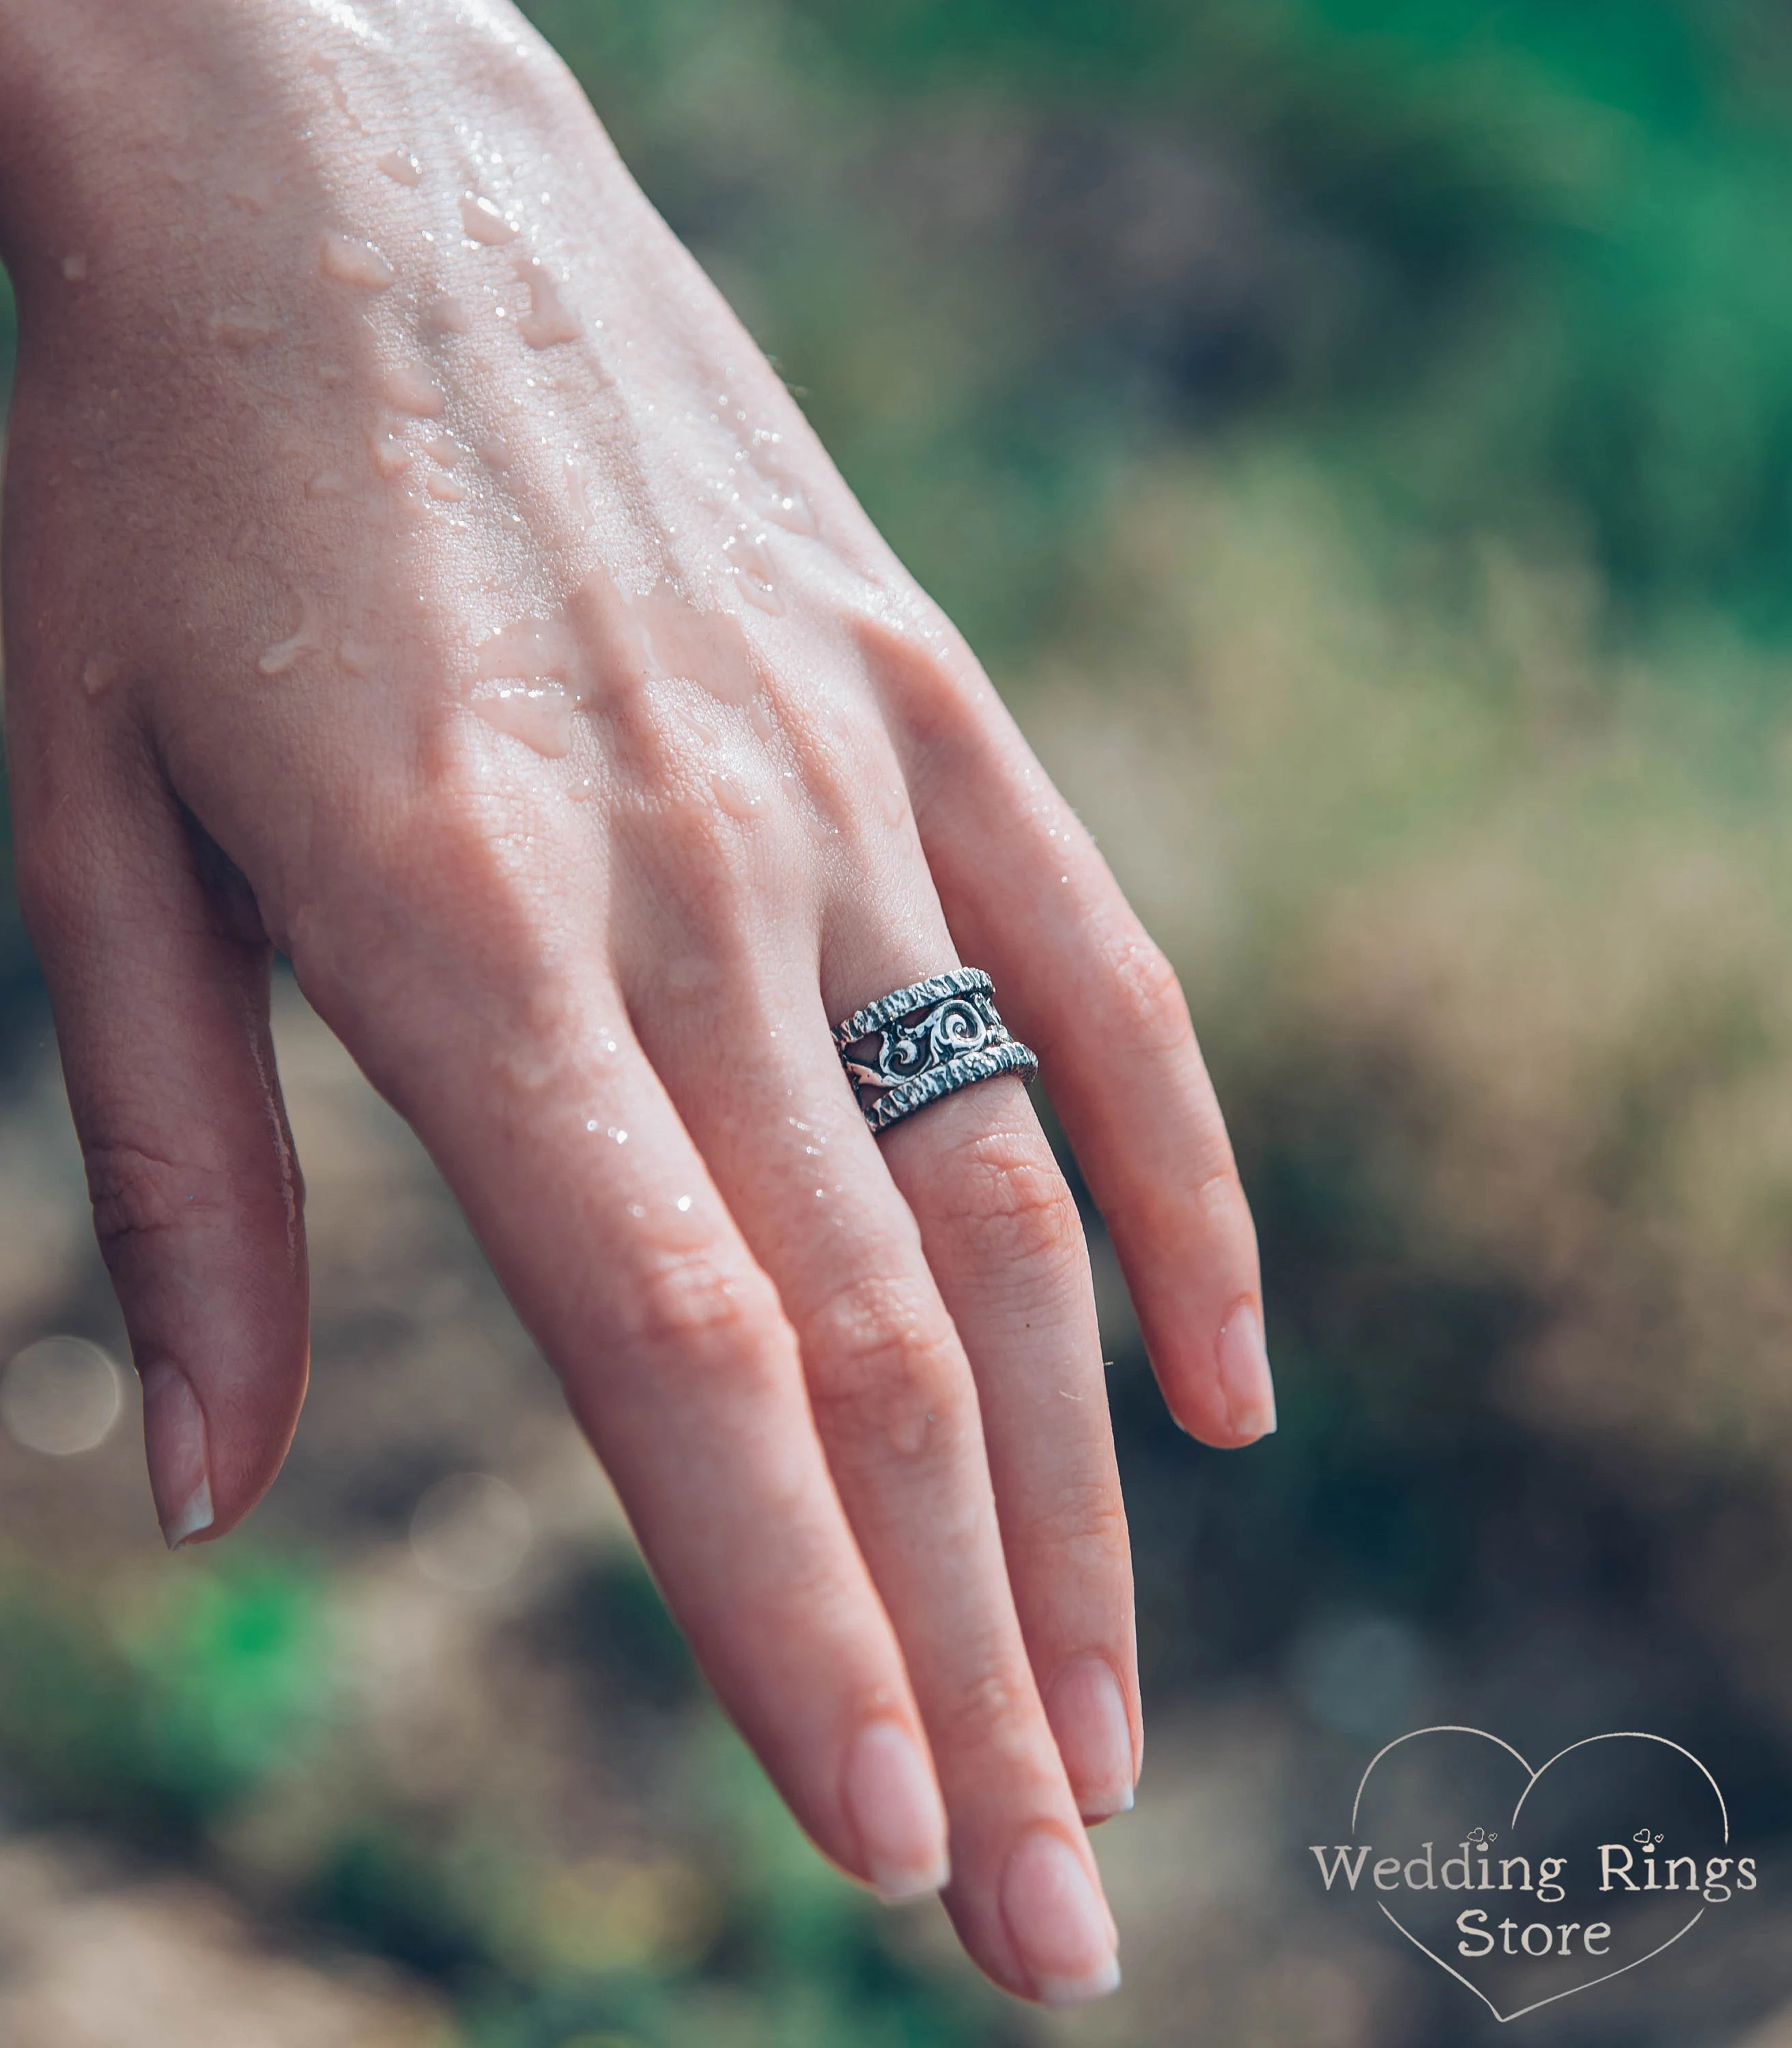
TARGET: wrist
(98,102)
(134,127)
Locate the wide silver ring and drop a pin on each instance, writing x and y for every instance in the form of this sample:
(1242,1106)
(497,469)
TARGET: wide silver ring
(925,1042)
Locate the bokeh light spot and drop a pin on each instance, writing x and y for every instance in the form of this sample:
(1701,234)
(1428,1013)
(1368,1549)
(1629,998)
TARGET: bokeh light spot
(60,1396)
(470,1531)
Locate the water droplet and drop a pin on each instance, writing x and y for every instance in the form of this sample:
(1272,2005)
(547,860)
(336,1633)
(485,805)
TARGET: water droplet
(753,569)
(253,194)
(636,1210)
(789,508)
(734,796)
(352,262)
(539,714)
(239,326)
(101,673)
(444,450)
(390,455)
(278,658)
(446,314)
(402,166)
(683,1205)
(74,268)
(327,484)
(549,320)
(445,487)
(356,657)
(409,389)
(483,223)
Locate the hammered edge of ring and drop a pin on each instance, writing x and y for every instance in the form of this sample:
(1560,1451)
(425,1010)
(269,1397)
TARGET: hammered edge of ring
(891,1009)
(1009,1058)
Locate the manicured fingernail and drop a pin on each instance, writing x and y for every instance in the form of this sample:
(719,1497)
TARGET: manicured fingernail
(1057,1921)
(1088,1712)
(893,1802)
(1244,1375)
(174,1439)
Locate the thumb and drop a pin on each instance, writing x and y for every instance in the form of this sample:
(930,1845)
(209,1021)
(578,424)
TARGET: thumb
(158,977)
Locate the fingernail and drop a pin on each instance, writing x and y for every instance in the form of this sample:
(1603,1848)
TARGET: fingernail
(893,1804)
(1058,1923)
(1244,1375)
(174,1441)
(1088,1712)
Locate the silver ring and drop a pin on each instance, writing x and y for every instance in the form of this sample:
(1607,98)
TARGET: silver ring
(926,1042)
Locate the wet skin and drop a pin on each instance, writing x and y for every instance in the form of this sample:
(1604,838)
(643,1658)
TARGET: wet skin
(411,564)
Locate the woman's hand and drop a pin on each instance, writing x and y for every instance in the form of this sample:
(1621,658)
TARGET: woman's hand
(410,562)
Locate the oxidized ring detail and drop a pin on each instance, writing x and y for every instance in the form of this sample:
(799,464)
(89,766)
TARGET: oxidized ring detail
(925,1041)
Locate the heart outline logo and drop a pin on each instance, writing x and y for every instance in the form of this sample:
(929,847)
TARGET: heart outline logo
(1612,1735)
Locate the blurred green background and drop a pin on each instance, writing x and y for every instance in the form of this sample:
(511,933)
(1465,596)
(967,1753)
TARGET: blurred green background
(1359,437)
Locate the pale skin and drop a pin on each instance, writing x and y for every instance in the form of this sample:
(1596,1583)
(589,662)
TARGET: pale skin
(410,564)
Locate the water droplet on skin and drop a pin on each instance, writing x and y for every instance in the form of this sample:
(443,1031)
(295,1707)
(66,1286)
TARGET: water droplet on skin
(356,657)
(483,223)
(893,802)
(445,488)
(494,452)
(327,484)
(540,714)
(253,194)
(530,650)
(410,389)
(236,327)
(280,657)
(691,976)
(352,262)
(683,1205)
(734,796)
(549,320)
(390,457)
(400,166)
(447,315)
(759,717)
(443,449)
(74,268)
(101,673)
(788,508)
(575,488)
(753,570)
(332,375)
(636,1211)
(326,68)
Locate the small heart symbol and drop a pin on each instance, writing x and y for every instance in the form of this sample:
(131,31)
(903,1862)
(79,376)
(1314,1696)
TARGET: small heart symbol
(1581,1893)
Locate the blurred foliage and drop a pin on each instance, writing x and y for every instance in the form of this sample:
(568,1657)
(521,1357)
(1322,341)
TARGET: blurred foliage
(151,1710)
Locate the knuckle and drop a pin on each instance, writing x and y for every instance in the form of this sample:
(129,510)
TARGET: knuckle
(1087,1525)
(1153,1012)
(881,1374)
(985,1712)
(690,1313)
(1008,1198)
(137,1195)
